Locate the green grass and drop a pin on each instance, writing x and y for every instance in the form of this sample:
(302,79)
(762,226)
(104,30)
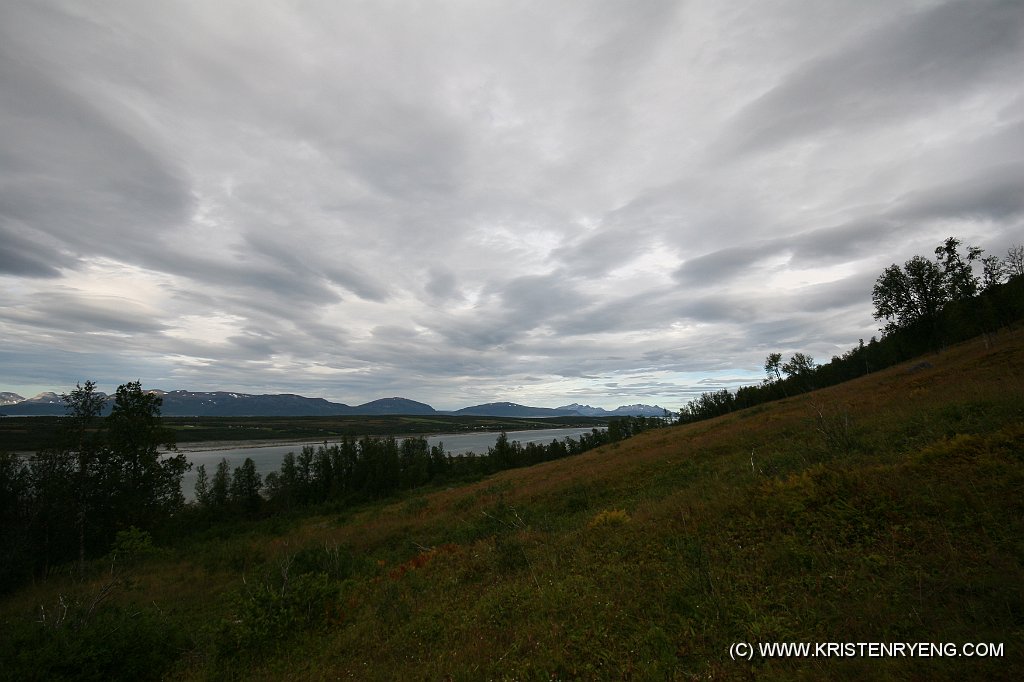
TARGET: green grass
(888,509)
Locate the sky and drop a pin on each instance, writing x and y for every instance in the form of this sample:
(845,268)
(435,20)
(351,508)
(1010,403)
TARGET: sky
(594,201)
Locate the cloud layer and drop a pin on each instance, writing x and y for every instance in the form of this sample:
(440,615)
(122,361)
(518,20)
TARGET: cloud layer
(461,202)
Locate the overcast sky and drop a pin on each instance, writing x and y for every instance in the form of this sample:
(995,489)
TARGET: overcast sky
(463,202)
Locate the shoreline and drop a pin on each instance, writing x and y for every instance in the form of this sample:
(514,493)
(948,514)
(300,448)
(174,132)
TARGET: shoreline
(192,447)
(217,445)
(214,445)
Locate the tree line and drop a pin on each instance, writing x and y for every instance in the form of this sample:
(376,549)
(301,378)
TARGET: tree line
(924,306)
(355,470)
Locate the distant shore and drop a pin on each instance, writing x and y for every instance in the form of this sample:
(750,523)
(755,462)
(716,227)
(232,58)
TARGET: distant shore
(213,445)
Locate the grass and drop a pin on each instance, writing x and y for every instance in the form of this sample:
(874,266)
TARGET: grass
(887,509)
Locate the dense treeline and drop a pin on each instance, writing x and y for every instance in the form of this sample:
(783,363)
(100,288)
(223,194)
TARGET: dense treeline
(107,475)
(926,306)
(355,470)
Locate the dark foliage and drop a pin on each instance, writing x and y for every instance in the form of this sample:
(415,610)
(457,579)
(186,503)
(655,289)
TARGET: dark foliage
(105,475)
(356,470)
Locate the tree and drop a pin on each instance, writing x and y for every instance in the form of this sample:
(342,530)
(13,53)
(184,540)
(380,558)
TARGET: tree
(219,487)
(914,295)
(504,454)
(958,277)
(62,492)
(802,367)
(147,485)
(203,493)
(83,406)
(1014,261)
(772,369)
(909,295)
(289,479)
(993,272)
(245,486)
(708,405)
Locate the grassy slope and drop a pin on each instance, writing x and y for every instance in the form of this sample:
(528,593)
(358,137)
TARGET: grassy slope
(886,509)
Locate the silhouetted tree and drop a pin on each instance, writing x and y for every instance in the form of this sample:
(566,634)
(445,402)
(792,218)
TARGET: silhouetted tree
(958,277)
(84,406)
(772,370)
(219,486)
(203,493)
(148,485)
(245,486)
(801,368)
(993,272)
(913,294)
(912,297)
(1014,261)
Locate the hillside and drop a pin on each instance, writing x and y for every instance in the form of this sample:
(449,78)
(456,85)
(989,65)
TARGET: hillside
(506,409)
(394,406)
(887,509)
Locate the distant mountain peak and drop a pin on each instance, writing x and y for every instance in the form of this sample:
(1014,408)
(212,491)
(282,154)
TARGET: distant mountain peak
(395,405)
(635,410)
(507,409)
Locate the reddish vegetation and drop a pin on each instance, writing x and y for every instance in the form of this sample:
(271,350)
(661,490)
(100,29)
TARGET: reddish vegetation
(422,559)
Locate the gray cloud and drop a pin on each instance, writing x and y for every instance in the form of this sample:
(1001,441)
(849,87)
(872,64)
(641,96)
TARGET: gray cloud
(441,284)
(539,202)
(72,313)
(74,171)
(723,264)
(25,253)
(997,193)
(918,60)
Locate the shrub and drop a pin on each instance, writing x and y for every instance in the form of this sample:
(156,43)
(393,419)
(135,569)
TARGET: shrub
(130,643)
(835,429)
(267,614)
(612,517)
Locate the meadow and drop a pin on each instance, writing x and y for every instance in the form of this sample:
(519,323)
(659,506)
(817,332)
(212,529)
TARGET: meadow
(884,509)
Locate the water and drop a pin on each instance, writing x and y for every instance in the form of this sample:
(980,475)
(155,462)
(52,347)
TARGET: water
(269,458)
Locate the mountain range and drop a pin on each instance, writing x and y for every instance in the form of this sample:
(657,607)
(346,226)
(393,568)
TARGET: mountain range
(227,404)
